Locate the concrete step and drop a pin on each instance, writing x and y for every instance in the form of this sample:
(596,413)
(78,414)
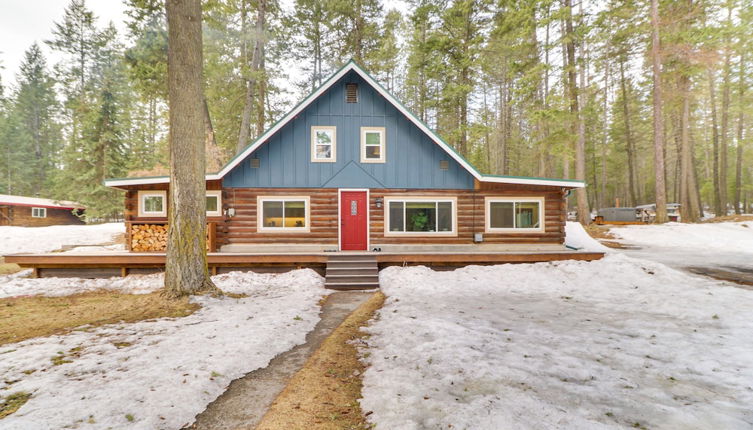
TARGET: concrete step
(351,257)
(351,287)
(365,277)
(366,265)
(351,270)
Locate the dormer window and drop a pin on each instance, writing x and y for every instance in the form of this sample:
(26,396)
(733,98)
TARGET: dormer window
(351,93)
(323,144)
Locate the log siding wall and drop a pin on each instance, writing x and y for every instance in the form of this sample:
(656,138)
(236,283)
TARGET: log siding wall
(21,216)
(324,216)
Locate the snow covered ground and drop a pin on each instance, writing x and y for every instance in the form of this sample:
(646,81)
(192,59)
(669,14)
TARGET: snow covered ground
(156,374)
(683,245)
(15,240)
(616,343)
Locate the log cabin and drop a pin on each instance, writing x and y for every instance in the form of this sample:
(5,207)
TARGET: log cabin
(350,168)
(37,212)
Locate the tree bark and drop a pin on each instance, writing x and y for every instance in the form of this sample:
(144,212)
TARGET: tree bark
(689,205)
(740,135)
(186,266)
(252,80)
(718,208)
(724,141)
(579,127)
(629,144)
(660,183)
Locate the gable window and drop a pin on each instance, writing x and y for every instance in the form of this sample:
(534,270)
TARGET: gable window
(504,214)
(152,203)
(372,144)
(214,203)
(283,214)
(323,144)
(39,212)
(420,216)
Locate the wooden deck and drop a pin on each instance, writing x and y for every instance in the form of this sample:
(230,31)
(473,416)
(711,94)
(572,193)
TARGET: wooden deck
(122,264)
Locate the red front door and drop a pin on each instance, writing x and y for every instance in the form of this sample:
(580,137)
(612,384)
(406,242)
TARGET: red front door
(353,221)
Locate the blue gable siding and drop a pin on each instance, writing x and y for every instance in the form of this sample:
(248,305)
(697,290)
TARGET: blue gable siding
(412,158)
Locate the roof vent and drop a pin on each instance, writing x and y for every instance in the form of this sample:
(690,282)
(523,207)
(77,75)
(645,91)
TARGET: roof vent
(351,93)
(444,165)
(255,163)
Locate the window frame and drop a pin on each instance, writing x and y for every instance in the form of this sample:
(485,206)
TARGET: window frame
(503,199)
(408,199)
(331,128)
(261,228)
(218,194)
(143,194)
(382,144)
(38,209)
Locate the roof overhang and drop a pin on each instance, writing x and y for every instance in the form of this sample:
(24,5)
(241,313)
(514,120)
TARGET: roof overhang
(125,182)
(352,66)
(522,180)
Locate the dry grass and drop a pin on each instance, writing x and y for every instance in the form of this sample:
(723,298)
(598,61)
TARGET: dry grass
(602,234)
(324,394)
(12,403)
(730,218)
(27,317)
(8,268)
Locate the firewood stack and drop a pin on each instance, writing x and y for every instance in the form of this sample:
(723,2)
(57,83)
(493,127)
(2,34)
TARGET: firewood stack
(151,238)
(148,237)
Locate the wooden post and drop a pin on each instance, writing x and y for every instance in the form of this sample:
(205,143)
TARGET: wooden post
(212,236)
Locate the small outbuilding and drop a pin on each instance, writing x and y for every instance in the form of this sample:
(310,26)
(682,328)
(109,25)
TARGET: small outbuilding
(37,212)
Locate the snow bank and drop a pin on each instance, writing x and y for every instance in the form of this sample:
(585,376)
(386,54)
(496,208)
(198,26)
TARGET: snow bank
(723,236)
(566,345)
(16,240)
(18,284)
(577,237)
(163,372)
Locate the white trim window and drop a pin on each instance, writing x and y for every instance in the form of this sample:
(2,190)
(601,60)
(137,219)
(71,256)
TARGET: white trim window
(514,214)
(420,216)
(214,203)
(152,203)
(323,144)
(373,147)
(39,212)
(288,214)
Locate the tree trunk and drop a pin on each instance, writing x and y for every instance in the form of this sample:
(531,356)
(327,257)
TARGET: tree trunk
(579,127)
(660,183)
(629,144)
(186,264)
(724,141)
(718,208)
(252,80)
(689,205)
(740,130)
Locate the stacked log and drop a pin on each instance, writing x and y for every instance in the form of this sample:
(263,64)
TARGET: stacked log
(148,237)
(153,237)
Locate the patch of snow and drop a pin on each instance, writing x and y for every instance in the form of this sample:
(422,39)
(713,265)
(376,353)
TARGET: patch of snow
(681,245)
(17,240)
(565,345)
(577,237)
(17,285)
(723,236)
(165,371)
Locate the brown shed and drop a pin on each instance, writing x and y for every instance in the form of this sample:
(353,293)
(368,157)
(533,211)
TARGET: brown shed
(37,212)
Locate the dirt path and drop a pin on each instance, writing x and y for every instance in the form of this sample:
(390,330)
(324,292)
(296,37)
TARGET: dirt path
(247,399)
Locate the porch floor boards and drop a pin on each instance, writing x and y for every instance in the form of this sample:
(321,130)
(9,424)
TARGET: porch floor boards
(122,264)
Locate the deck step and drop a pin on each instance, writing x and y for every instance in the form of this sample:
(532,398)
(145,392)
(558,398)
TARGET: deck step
(352,272)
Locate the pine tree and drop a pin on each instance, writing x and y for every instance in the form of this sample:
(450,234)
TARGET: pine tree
(36,107)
